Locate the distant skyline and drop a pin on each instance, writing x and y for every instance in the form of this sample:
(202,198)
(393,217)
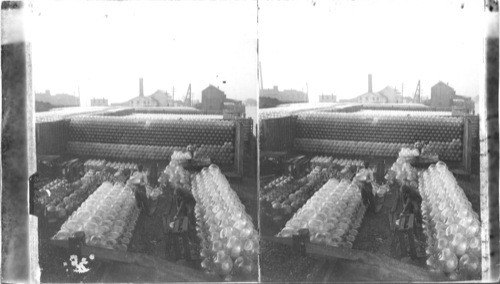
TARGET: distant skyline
(104,47)
(333,45)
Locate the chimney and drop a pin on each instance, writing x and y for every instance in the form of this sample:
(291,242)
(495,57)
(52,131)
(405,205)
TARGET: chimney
(141,89)
(370,83)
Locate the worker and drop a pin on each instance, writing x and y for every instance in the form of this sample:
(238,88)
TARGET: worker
(140,190)
(126,174)
(411,200)
(190,150)
(380,173)
(185,205)
(154,174)
(365,178)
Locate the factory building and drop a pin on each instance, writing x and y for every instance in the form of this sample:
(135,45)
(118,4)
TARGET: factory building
(99,102)
(327,98)
(157,99)
(444,96)
(387,95)
(214,100)
(285,96)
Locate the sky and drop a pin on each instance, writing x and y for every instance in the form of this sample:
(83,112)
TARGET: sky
(101,48)
(330,47)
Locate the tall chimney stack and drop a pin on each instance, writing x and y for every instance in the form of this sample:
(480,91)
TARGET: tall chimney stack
(370,83)
(141,88)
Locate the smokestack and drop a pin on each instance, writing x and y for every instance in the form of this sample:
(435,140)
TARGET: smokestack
(141,89)
(370,83)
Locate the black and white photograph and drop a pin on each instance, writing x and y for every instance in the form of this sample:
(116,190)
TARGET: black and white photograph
(145,141)
(235,141)
(369,140)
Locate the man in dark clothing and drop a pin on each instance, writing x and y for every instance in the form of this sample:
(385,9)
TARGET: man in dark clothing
(125,175)
(140,193)
(154,174)
(411,201)
(366,186)
(185,204)
(380,173)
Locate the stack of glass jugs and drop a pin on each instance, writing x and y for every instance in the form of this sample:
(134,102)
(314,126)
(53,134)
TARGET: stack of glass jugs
(333,215)
(229,242)
(107,217)
(451,226)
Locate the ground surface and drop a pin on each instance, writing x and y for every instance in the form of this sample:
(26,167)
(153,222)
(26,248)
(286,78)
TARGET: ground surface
(148,239)
(280,263)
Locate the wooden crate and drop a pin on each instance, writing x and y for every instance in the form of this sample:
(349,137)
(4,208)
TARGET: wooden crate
(51,137)
(277,134)
(296,166)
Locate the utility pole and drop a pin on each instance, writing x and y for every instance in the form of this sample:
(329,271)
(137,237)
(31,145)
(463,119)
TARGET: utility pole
(307,91)
(79,99)
(416,97)
(261,83)
(173,94)
(402,90)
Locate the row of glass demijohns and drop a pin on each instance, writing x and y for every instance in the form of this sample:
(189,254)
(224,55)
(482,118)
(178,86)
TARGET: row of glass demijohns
(333,215)
(327,160)
(451,226)
(347,147)
(407,152)
(176,174)
(401,170)
(229,242)
(403,120)
(95,164)
(119,151)
(101,164)
(107,217)
(122,166)
(92,179)
(180,155)
(130,121)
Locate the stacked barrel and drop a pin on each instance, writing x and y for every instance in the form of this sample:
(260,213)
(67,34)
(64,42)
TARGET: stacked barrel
(378,134)
(147,138)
